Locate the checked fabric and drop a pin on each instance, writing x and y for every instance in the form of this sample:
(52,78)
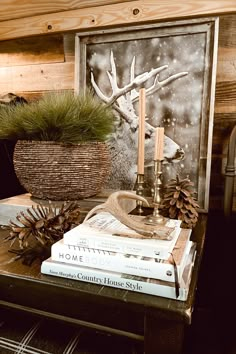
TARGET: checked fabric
(22,333)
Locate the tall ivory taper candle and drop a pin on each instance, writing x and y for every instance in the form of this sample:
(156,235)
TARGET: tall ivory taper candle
(159,144)
(141,131)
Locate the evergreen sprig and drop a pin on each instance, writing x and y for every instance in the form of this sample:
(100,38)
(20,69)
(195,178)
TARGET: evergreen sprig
(58,116)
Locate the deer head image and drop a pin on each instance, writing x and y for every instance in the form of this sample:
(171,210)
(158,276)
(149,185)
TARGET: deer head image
(124,141)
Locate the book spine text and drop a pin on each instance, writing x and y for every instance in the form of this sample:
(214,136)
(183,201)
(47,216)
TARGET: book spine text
(129,264)
(112,280)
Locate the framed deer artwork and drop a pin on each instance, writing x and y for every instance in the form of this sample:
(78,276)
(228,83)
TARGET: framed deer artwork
(176,63)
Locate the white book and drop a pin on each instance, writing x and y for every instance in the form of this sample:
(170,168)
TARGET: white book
(125,281)
(126,263)
(103,231)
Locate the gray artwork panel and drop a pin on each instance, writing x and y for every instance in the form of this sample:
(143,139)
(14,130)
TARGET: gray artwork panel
(181,106)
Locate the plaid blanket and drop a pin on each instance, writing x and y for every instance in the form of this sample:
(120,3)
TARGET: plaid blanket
(22,333)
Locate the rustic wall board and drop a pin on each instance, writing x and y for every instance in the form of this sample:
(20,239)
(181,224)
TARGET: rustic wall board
(11,9)
(42,77)
(26,51)
(117,14)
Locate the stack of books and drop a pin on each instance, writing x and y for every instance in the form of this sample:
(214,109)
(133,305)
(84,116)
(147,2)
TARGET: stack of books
(103,251)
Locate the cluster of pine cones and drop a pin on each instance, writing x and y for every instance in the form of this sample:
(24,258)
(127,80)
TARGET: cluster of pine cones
(179,202)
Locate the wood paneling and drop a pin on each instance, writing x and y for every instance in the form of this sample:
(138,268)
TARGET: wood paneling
(225,107)
(42,77)
(11,9)
(225,100)
(111,15)
(226,94)
(226,70)
(227,32)
(69,47)
(26,51)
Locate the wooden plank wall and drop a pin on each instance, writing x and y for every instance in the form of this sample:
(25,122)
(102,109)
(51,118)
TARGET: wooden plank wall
(30,66)
(28,18)
(34,65)
(225,107)
(15,9)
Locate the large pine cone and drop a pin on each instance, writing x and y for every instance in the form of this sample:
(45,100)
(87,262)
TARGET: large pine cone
(38,228)
(179,202)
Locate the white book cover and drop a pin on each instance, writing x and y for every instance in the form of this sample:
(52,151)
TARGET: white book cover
(125,281)
(126,263)
(103,231)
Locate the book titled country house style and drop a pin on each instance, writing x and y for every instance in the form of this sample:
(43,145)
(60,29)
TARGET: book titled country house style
(127,263)
(103,231)
(125,281)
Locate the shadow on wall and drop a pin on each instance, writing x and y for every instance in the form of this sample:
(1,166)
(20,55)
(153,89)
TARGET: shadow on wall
(9,184)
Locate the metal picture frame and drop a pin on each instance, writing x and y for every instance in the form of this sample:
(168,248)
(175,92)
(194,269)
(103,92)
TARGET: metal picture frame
(176,63)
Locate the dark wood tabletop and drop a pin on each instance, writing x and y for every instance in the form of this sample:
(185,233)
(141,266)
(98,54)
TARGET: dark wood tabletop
(118,311)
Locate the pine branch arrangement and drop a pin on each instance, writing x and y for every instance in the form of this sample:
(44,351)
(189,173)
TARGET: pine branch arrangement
(58,116)
(179,202)
(40,227)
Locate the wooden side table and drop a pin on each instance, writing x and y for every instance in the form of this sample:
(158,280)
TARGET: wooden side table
(157,322)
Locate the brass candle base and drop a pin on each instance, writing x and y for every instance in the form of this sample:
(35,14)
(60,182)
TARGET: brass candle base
(139,191)
(156,218)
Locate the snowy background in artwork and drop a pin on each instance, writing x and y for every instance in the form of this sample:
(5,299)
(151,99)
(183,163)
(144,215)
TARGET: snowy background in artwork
(178,106)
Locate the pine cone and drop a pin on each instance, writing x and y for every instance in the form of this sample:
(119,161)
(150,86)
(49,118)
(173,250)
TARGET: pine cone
(179,203)
(41,227)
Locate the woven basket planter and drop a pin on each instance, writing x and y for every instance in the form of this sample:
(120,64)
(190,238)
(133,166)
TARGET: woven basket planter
(57,171)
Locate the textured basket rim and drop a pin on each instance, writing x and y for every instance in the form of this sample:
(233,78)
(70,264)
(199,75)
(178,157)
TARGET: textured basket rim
(55,142)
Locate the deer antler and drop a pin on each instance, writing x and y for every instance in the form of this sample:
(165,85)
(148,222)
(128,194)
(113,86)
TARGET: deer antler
(145,231)
(118,92)
(120,100)
(157,85)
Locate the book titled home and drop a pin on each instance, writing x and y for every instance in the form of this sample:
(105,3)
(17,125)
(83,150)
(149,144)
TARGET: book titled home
(127,263)
(125,281)
(103,231)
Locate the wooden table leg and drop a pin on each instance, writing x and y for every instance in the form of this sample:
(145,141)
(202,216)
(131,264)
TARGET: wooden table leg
(163,335)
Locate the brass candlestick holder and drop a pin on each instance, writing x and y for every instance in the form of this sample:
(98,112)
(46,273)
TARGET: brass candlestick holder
(139,191)
(156,218)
